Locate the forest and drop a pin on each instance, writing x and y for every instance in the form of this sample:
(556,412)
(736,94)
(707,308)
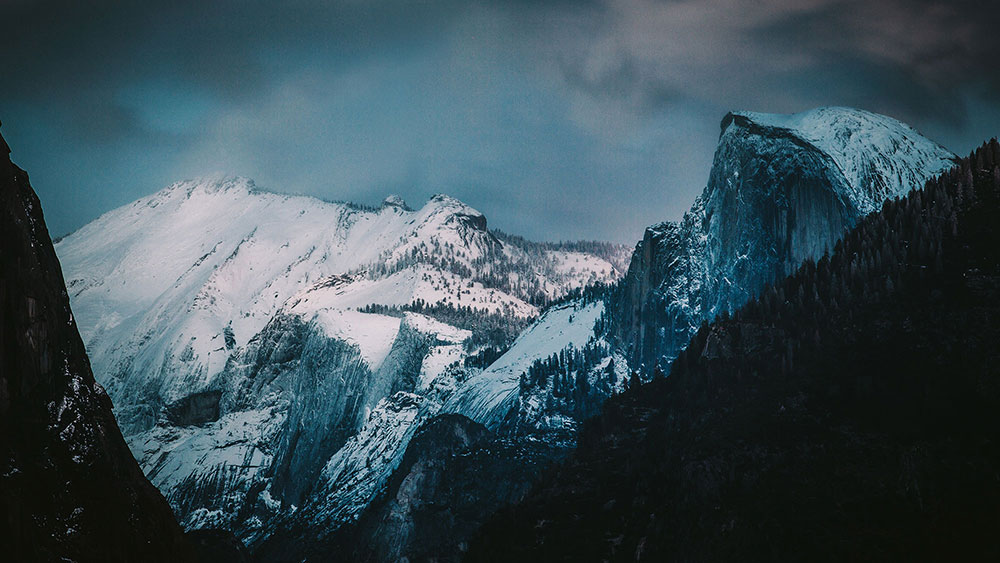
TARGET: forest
(850,412)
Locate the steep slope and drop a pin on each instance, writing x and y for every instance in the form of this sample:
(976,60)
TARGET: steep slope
(849,413)
(491,395)
(433,503)
(561,370)
(402,487)
(69,488)
(782,188)
(167,286)
(268,353)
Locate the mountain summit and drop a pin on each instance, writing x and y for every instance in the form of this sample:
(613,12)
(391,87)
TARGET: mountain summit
(782,188)
(877,157)
(261,347)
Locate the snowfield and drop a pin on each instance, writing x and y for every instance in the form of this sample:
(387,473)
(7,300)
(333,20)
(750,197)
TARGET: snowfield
(234,330)
(159,286)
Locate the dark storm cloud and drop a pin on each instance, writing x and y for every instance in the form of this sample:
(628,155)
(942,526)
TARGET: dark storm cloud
(921,54)
(912,57)
(554,118)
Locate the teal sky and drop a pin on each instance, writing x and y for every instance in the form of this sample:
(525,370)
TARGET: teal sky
(558,120)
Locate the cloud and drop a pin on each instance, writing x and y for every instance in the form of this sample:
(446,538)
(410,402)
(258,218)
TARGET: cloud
(553,117)
(912,58)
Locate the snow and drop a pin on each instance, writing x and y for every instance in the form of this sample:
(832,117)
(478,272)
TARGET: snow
(373,334)
(585,268)
(402,288)
(358,470)
(170,290)
(867,148)
(169,455)
(487,397)
(395,200)
(155,284)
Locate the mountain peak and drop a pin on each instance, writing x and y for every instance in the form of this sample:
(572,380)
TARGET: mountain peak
(452,207)
(210,185)
(878,156)
(783,188)
(445,200)
(397,201)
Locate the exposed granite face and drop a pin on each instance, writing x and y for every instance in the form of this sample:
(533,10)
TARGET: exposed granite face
(783,188)
(850,413)
(69,487)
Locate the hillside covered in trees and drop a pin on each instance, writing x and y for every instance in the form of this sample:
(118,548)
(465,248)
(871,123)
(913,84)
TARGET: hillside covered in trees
(851,411)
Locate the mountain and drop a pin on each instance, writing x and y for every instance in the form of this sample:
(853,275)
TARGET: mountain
(168,286)
(783,188)
(438,474)
(533,399)
(454,475)
(848,413)
(69,487)
(273,357)
(267,352)
(493,394)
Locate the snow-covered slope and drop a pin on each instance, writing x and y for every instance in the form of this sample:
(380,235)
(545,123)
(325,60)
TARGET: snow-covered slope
(783,188)
(167,287)
(878,156)
(260,348)
(490,396)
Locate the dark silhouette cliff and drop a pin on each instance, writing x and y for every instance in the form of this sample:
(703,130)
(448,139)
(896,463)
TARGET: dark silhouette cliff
(69,487)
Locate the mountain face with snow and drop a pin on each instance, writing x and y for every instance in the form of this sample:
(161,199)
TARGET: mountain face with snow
(267,353)
(782,189)
(427,470)
(69,488)
(857,420)
(272,358)
(454,475)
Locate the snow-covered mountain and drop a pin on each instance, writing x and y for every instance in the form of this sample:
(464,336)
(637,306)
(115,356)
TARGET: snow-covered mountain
(783,188)
(271,356)
(495,396)
(263,349)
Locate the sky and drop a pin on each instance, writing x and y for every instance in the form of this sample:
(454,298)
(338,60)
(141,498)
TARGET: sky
(558,120)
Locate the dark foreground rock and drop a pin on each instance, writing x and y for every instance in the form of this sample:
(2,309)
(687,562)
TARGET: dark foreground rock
(69,487)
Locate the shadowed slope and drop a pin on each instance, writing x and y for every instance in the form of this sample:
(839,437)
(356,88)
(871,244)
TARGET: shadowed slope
(69,488)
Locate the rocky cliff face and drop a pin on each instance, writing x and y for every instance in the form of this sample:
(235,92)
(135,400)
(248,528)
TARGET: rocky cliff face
(782,188)
(850,413)
(454,476)
(273,354)
(69,488)
(776,197)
